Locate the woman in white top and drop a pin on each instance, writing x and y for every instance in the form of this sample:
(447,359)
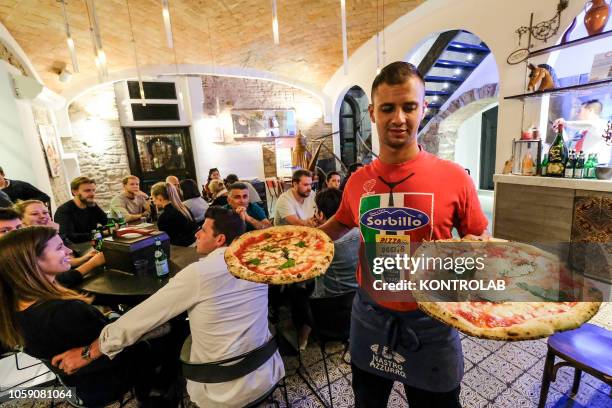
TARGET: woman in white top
(193,200)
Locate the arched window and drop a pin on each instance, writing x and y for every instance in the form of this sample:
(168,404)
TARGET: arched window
(348,127)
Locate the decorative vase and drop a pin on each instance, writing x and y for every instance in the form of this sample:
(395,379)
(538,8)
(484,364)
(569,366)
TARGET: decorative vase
(596,16)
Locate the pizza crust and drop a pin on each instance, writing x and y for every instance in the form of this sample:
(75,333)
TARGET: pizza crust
(320,263)
(534,328)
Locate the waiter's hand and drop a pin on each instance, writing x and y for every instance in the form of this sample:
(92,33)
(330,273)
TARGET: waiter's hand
(70,361)
(485,236)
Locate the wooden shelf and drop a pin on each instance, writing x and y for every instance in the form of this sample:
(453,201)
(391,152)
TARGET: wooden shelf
(588,85)
(570,43)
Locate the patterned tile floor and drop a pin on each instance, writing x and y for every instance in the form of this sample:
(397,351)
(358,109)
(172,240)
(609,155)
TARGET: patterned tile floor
(498,375)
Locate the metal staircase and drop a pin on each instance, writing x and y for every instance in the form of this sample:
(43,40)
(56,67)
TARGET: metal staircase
(450,61)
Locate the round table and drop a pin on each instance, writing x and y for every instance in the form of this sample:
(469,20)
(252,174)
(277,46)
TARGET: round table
(112,287)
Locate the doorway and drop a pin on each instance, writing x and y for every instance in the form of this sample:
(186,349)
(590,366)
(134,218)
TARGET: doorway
(155,153)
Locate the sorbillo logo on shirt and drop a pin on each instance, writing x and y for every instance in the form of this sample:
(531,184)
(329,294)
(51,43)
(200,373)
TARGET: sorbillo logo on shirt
(394,219)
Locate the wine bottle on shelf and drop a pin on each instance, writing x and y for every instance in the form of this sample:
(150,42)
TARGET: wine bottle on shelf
(579,169)
(557,155)
(570,165)
(544,165)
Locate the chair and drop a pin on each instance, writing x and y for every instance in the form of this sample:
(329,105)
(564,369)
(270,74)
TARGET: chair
(331,321)
(586,349)
(15,354)
(73,399)
(232,368)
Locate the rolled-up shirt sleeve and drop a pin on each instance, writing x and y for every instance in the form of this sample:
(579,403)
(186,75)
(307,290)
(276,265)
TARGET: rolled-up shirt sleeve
(179,295)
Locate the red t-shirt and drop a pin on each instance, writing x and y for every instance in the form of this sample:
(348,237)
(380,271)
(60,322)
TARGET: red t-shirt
(434,196)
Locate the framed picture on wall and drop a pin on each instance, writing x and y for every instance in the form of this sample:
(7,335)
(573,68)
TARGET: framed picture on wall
(50,147)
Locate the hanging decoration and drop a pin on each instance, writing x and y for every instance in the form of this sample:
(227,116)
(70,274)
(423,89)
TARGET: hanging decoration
(344,44)
(544,30)
(275,23)
(96,39)
(167,24)
(69,40)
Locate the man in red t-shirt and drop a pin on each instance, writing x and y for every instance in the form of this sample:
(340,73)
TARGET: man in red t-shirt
(411,196)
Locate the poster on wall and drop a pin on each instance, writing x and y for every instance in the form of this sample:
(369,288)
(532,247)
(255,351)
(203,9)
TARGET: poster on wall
(49,143)
(602,67)
(263,122)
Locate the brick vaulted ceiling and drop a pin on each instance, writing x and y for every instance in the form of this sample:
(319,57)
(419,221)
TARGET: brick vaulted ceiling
(310,47)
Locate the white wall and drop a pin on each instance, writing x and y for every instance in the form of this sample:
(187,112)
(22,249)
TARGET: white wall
(245,160)
(494,22)
(467,145)
(21,155)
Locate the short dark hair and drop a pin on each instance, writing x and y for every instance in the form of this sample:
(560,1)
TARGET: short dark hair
(231,179)
(190,189)
(396,73)
(594,105)
(328,201)
(76,183)
(1,171)
(226,222)
(298,174)
(237,186)
(7,214)
(330,174)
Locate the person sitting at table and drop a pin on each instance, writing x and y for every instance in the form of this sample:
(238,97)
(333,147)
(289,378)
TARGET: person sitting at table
(132,203)
(21,190)
(218,192)
(193,200)
(5,200)
(296,206)
(333,180)
(227,317)
(45,318)
(175,183)
(252,214)
(9,221)
(79,216)
(253,194)
(340,276)
(213,174)
(176,220)
(34,212)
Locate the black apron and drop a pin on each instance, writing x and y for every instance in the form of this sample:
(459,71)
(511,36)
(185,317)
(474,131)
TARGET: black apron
(409,347)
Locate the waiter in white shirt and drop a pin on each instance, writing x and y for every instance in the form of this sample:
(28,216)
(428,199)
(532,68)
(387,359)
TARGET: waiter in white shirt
(227,317)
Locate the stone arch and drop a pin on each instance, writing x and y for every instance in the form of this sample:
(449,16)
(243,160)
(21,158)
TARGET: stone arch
(441,132)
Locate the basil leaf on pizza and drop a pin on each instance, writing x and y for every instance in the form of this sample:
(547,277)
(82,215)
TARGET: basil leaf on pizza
(280,255)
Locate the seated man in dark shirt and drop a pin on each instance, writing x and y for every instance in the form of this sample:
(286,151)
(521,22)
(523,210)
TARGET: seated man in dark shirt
(5,200)
(79,216)
(20,190)
(252,214)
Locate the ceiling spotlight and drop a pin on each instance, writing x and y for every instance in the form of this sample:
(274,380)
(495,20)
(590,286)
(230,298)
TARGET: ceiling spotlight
(457,71)
(435,98)
(446,85)
(470,57)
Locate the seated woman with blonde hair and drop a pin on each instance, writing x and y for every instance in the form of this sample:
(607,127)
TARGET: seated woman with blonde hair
(35,212)
(176,220)
(218,191)
(46,319)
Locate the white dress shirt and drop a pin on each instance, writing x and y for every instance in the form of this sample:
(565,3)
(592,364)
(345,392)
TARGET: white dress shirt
(227,317)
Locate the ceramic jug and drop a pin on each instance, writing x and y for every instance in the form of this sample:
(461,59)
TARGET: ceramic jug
(596,16)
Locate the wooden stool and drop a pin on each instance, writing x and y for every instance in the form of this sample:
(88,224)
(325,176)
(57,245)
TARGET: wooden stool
(588,349)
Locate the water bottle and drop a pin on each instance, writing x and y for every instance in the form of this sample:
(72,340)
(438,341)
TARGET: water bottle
(161,260)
